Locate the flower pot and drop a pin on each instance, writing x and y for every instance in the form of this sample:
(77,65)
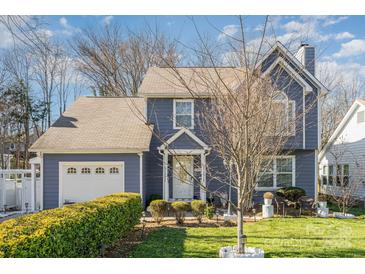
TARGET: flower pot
(322,204)
(268,201)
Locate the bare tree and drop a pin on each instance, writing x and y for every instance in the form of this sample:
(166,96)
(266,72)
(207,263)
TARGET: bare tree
(247,120)
(346,178)
(115,65)
(344,90)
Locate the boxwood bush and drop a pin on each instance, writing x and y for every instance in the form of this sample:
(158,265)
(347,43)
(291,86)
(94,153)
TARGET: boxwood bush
(291,193)
(77,230)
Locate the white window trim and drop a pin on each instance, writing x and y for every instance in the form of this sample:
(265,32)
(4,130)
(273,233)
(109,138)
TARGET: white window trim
(275,187)
(174,113)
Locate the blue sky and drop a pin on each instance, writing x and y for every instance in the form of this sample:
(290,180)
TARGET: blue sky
(339,40)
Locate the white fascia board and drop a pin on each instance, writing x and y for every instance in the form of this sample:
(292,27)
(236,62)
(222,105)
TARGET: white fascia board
(339,129)
(286,52)
(280,61)
(180,133)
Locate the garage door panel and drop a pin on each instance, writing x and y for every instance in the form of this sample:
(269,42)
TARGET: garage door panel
(78,187)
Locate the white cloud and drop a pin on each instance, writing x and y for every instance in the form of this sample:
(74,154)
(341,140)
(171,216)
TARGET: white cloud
(331,20)
(63,22)
(228,30)
(353,48)
(107,20)
(344,35)
(68,29)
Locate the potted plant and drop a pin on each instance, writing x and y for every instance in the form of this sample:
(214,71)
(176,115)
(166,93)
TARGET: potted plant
(268,196)
(322,201)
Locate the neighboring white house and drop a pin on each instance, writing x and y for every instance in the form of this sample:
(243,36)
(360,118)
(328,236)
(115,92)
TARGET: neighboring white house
(344,155)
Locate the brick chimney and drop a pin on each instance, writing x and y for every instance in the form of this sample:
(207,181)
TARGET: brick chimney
(306,55)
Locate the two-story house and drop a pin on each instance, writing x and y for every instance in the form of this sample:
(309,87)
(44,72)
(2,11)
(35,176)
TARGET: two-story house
(136,144)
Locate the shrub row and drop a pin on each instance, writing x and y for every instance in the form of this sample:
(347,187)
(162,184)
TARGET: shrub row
(77,230)
(159,207)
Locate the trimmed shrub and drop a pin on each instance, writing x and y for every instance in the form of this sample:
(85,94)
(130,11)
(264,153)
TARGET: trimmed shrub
(158,209)
(78,230)
(153,197)
(268,195)
(291,193)
(180,208)
(198,207)
(209,212)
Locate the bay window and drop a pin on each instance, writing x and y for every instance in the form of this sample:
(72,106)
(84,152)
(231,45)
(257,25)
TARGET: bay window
(276,173)
(183,114)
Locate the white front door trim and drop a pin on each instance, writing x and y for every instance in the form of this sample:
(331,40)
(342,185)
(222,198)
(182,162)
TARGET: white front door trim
(177,184)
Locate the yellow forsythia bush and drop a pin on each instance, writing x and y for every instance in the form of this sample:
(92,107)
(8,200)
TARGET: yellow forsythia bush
(77,230)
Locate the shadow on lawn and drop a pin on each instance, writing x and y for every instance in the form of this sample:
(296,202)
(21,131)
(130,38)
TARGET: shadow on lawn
(167,242)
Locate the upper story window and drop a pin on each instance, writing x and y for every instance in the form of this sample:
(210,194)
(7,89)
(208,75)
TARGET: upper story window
(183,114)
(286,110)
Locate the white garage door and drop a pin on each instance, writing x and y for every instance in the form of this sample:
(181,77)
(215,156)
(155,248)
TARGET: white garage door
(83,181)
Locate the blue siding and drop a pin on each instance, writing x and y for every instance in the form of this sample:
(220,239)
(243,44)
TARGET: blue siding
(309,60)
(51,172)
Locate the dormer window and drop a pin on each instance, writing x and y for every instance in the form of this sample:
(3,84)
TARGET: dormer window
(183,114)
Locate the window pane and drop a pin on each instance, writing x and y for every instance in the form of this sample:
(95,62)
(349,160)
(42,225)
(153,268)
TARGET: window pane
(284,165)
(330,170)
(283,180)
(183,121)
(183,107)
(266,180)
(346,170)
(266,166)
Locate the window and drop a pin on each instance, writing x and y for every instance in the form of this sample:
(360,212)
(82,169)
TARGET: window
(343,173)
(324,177)
(85,170)
(99,170)
(286,110)
(330,175)
(114,170)
(360,117)
(71,170)
(183,114)
(280,172)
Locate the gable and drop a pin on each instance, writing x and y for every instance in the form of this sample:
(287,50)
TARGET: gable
(349,130)
(279,51)
(185,142)
(184,139)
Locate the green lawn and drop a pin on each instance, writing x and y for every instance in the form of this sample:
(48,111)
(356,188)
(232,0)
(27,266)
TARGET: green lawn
(279,237)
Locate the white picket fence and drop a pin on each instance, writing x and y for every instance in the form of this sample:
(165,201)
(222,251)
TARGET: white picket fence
(16,190)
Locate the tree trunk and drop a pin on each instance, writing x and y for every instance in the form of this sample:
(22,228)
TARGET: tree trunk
(240,243)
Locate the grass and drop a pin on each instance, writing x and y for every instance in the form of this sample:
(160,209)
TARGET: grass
(279,237)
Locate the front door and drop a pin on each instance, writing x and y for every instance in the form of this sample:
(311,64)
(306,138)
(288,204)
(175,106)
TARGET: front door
(183,187)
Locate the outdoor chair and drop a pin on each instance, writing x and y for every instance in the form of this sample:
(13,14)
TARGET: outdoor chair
(306,203)
(281,204)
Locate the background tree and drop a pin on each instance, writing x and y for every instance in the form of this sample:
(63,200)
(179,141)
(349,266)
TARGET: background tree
(116,62)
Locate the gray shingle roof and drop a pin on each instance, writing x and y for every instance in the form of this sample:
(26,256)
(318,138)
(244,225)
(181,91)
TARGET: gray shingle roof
(187,82)
(94,124)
